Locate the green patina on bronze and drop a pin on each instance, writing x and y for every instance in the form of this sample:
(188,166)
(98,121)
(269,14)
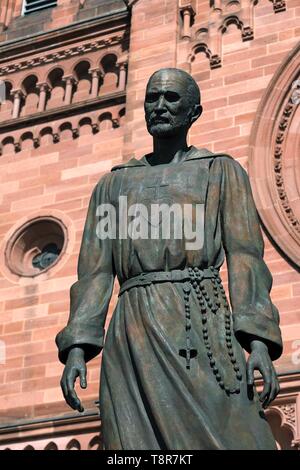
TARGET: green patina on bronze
(174,374)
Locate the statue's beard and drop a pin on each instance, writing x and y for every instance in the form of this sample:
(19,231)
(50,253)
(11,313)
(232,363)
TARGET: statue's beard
(167,130)
(162,130)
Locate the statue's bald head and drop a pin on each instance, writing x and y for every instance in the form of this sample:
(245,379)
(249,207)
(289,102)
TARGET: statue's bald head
(172,103)
(189,85)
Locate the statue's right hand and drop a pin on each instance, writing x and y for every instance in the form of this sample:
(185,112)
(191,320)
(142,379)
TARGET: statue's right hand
(75,367)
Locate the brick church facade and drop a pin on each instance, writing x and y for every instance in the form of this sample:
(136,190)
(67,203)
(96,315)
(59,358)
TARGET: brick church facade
(72,78)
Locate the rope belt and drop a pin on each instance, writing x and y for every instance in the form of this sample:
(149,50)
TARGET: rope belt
(193,278)
(176,275)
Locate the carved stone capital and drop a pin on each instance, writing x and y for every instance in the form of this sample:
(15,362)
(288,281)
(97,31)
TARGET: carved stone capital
(17,146)
(95,128)
(56,138)
(188,5)
(75,133)
(96,73)
(70,80)
(43,86)
(122,65)
(289,411)
(18,93)
(278,5)
(247,33)
(215,61)
(36,142)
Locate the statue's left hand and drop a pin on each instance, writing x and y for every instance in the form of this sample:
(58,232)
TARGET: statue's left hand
(259,359)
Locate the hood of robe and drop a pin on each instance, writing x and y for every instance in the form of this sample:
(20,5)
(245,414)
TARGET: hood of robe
(193,154)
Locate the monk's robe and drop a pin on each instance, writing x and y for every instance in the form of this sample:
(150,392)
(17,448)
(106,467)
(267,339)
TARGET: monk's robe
(152,395)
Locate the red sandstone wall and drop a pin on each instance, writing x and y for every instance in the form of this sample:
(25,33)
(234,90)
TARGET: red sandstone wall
(62,176)
(230,98)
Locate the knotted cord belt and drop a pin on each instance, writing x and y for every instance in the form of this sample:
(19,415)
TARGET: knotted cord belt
(193,278)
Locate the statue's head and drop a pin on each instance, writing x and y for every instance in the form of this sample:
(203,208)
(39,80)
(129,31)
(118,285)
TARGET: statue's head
(172,103)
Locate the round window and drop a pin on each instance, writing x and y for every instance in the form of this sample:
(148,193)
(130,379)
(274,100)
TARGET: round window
(36,246)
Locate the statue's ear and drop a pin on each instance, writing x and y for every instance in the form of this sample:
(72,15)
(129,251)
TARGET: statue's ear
(197,111)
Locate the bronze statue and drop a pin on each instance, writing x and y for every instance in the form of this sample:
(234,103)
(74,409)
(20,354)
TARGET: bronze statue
(174,373)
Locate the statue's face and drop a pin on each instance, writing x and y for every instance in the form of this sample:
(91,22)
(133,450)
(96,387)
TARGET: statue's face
(168,110)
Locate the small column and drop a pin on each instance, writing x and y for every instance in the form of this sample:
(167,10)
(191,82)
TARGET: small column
(122,76)
(43,88)
(18,95)
(3,12)
(187,9)
(70,82)
(247,18)
(96,74)
(186,30)
(218,5)
(9,12)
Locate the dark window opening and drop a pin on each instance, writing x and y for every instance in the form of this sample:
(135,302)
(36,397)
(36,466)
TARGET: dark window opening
(31,6)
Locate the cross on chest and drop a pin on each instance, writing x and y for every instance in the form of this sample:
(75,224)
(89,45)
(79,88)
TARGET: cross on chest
(156,183)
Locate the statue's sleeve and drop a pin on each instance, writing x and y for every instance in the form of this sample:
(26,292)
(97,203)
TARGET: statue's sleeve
(90,295)
(250,280)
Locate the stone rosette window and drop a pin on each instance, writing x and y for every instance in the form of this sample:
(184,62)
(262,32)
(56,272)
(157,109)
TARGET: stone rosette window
(274,157)
(36,246)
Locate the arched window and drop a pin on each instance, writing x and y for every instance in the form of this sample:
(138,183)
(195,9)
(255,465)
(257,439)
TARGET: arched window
(110,80)
(81,73)
(30,104)
(6,100)
(55,79)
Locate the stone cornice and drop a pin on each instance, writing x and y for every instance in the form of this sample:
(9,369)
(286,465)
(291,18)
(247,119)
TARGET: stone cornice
(63,111)
(54,57)
(112,24)
(37,427)
(40,432)
(289,383)
(45,431)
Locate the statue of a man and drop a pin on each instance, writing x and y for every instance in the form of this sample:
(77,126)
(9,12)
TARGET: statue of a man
(174,373)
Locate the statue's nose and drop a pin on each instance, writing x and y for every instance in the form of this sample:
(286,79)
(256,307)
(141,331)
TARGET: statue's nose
(160,103)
